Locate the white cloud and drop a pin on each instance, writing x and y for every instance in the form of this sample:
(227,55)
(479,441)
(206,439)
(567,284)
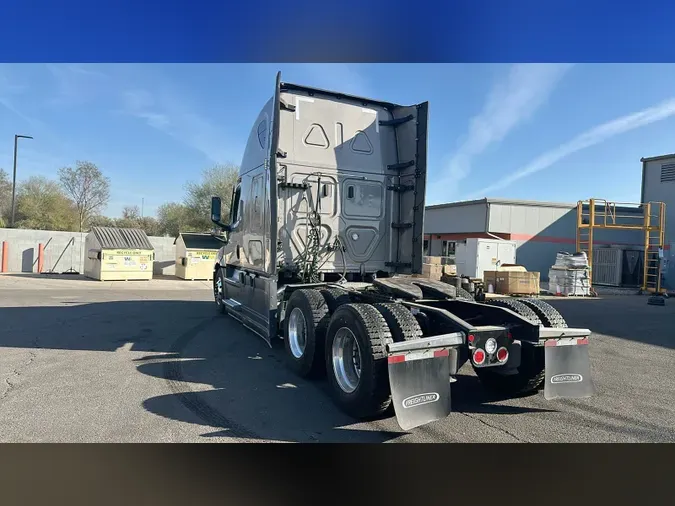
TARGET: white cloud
(10,91)
(76,84)
(509,104)
(589,138)
(169,112)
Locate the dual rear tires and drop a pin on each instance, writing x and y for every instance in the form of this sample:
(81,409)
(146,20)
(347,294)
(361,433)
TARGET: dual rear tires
(325,333)
(531,373)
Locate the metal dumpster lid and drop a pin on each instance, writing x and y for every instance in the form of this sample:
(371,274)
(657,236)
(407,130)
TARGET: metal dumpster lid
(122,238)
(196,240)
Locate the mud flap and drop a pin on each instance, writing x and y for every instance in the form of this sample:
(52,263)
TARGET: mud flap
(420,386)
(568,369)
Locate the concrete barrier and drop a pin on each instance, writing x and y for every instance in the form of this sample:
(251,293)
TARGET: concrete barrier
(64,251)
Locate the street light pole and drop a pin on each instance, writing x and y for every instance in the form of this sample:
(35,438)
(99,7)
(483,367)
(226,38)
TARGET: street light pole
(16,139)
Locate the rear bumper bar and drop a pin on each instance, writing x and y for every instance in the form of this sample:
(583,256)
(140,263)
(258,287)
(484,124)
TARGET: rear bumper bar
(546,334)
(441,341)
(459,338)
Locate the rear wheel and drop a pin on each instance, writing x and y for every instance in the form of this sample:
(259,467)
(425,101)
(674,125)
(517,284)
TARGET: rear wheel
(517,307)
(464,294)
(356,360)
(305,322)
(549,315)
(531,371)
(401,322)
(334,298)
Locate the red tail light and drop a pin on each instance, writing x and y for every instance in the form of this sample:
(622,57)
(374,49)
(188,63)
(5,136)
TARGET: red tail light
(471,338)
(478,357)
(502,354)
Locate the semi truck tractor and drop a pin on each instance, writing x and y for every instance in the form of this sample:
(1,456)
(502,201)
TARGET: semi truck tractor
(322,252)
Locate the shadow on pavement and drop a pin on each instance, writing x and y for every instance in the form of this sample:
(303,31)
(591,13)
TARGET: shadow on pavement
(218,373)
(623,316)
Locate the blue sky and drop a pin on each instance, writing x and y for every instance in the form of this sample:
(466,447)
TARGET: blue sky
(538,132)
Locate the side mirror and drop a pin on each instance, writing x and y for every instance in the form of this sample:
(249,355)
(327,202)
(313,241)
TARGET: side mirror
(215,209)
(216,214)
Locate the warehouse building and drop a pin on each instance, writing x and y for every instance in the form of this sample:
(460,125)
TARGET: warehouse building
(658,185)
(540,230)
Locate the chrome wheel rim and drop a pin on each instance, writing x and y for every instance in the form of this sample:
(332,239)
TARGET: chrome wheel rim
(346,355)
(297,332)
(218,289)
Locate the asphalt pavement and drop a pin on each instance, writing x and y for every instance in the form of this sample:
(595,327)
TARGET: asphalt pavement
(84,361)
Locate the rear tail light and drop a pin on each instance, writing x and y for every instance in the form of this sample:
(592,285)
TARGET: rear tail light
(471,338)
(502,354)
(478,357)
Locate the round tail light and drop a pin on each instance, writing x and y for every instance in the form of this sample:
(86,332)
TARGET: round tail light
(478,357)
(502,354)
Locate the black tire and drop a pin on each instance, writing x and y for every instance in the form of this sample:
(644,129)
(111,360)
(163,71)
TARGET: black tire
(216,296)
(517,307)
(334,298)
(464,294)
(401,322)
(531,372)
(372,395)
(313,308)
(549,315)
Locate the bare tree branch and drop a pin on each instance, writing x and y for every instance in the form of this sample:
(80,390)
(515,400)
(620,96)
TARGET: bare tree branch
(88,187)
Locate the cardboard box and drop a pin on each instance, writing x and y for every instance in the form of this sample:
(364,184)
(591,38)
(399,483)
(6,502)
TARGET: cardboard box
(432,271)
(433,260)
(450,270)
(512,282)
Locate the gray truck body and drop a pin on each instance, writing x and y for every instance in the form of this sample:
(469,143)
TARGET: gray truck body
(331,197)
(343,142)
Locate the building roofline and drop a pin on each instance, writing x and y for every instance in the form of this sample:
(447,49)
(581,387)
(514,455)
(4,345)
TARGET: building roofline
(533,203)
(655,158)
(458,203)
(529,203)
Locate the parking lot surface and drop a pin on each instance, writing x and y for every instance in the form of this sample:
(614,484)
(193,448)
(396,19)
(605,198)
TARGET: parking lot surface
(85,361)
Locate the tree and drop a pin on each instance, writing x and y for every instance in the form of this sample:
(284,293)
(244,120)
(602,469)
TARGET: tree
(5,198)
(101,221)
(217,181)
(88,187)
(150,225)
(173,218)
(41,204)
(131,218)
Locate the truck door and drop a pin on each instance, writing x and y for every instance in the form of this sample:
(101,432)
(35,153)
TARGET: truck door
(234,280)
(257,286)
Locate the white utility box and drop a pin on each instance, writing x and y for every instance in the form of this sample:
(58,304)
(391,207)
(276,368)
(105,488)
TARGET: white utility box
(475,256)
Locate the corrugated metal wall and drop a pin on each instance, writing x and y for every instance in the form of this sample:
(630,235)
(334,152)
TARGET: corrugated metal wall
(460,218)
(658,185)
(543,231)
(540,229)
